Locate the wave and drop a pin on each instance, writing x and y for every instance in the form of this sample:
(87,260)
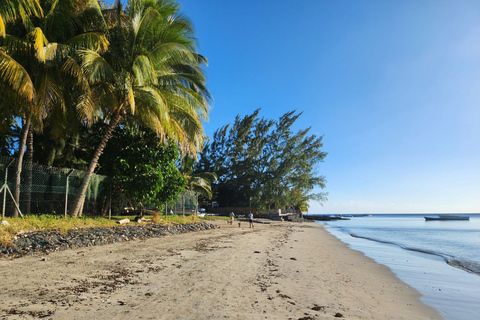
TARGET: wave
(468,266)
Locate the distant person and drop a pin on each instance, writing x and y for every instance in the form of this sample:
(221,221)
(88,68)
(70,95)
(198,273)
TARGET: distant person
(232,217)
(250,219)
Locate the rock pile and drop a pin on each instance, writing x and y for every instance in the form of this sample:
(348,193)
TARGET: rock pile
(52,240)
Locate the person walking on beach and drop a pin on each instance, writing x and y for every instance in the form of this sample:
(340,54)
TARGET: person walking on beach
(250,219)
(232,217)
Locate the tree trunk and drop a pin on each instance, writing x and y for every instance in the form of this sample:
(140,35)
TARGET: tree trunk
(93,164)
(18,173)
(29,173)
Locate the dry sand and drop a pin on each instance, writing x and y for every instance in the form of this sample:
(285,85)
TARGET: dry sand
(274,271)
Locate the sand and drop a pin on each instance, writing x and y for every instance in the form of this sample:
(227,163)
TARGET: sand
(273,271)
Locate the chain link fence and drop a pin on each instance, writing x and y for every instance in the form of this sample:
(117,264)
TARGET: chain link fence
(185,204)
(50,190)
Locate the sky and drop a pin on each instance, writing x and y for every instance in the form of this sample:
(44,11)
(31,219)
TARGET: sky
(393,86)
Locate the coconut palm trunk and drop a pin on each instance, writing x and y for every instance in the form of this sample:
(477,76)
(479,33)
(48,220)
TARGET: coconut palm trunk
(18,171)
(31,64)
(29,172)
(79,201)
(151,72)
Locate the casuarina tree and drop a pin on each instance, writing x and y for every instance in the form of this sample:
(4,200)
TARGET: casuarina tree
(263,163)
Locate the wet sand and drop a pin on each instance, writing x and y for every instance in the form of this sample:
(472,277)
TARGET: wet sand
(273,271)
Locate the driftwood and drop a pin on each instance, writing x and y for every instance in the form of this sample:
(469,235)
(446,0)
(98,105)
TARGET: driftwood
(123,221)
(141,219)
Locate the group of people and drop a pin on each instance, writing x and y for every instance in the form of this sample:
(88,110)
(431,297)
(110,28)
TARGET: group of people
(250,219)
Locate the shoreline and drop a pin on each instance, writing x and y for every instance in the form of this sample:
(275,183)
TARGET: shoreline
(461,265)
(273,271)
(451,290)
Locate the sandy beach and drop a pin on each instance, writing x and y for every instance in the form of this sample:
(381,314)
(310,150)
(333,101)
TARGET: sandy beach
(273,271)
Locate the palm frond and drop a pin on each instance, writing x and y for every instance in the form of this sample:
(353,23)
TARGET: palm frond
(29,7)
(23,10)
(170,54)
(2,27)
(106,99)
(189,135)
(201,186)
(96,67)
(39,43)
(144,71)
(210,176)
(95,41)
(16,77)
(130,97)
(92,16)
(187,102)
(15,47)
(154,109)
(47,95)
(71,67)
(60,22)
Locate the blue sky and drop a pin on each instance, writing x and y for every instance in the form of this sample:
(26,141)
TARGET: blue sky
(394,87)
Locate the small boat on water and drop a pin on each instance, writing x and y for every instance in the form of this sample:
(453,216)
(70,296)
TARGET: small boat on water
(447,217)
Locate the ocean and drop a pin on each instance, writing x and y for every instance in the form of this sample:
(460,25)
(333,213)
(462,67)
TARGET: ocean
(440,259)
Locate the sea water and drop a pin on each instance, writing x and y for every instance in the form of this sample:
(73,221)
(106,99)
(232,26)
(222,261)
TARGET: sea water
(441,259)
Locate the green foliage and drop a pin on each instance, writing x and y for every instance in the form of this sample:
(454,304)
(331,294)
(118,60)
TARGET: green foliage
(9,133)
(151,70)
(142,166)
(70,151)
(68,64)
(263,163)
(201,182)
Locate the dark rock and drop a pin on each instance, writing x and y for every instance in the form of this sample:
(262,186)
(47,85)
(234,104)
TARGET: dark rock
(52,240)
(318,308)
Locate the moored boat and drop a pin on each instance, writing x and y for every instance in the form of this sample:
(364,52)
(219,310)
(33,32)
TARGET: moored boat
(447,217)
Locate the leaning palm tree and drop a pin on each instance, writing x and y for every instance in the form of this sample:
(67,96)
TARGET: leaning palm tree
(152,72)
(33,69)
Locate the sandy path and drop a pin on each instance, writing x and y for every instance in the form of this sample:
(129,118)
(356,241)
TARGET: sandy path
(274,271)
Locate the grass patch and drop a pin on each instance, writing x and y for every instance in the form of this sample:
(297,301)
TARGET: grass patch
(32,223)
(215,218)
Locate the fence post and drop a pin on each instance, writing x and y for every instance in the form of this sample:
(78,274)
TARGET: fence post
(196,203)
(66,192)
(110,204)
(5,188)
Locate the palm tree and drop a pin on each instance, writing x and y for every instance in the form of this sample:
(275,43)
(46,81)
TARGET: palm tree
(152,72)
(199,183)
(33,69)
(18,9)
